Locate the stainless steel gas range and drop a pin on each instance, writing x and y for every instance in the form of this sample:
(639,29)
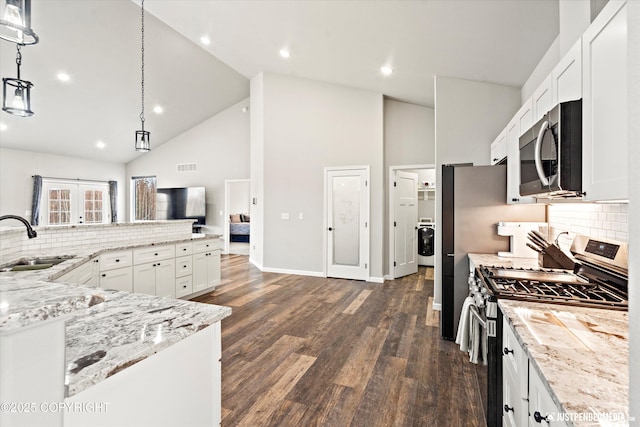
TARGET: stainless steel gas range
(599,280)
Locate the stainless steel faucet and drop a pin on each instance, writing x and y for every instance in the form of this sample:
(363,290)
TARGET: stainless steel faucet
(30,231)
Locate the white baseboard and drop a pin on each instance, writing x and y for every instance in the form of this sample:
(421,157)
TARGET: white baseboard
(258,266)
(295,272)
(376,279)
(388,277)
(437,306)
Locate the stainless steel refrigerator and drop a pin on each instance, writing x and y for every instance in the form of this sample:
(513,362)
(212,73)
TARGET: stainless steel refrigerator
(473,202)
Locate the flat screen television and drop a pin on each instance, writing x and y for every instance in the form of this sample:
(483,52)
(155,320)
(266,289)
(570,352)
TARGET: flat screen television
(181,203)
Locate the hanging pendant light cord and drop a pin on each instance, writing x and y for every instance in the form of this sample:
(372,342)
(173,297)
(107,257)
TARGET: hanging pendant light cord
(142,54)
(18,59)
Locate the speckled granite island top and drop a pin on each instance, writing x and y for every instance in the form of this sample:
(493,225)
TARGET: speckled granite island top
(582,354)
(126,329)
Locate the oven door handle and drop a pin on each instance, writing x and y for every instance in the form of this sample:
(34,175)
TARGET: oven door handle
(538,154)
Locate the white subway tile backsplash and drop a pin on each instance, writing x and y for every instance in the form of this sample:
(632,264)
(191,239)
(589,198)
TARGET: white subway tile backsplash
(604,220)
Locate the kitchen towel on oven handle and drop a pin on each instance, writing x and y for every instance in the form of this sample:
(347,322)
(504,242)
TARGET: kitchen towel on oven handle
(462,337)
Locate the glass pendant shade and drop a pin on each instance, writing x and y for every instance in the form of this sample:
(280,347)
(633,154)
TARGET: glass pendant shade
(15,22)
(143,140)
(16,97)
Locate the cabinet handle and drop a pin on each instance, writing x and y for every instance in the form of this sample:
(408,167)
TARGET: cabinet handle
(506,351)
(104,275)
(155,254)
(495,159)
(184,266)
(539,418)
(515,199)
(117,260)
(184,249)
(158,263)
(508,408)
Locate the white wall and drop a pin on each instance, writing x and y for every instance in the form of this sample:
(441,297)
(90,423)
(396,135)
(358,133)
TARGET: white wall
(256,250)
(17,168)
(634,208)
(239,194)
(409,139)
(309,125)
(220,148)
(469,115)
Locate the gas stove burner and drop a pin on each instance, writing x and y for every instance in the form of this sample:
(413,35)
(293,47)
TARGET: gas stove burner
(552,286)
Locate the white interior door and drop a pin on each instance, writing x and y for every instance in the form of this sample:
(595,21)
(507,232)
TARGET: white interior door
(405,223)
(347,219)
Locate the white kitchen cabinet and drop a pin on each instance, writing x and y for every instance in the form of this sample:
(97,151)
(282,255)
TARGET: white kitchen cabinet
(155,278)
(515,371)
(206,245)
(183,249)
(120,279)
(542,99)
(543,411)
(605,118)
(117,259)
(499,148)
(567,76)
(524,116)
(184,286)
(86,274)
(206,270)
(184,266)
(153,253)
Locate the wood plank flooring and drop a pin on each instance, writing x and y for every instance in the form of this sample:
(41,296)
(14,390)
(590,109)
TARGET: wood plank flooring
(308,351)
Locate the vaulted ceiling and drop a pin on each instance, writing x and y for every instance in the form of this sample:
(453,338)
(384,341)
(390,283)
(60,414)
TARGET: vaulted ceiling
(97,43)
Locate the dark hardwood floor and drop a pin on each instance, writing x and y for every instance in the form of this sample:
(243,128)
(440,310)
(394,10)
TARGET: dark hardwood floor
(308,351)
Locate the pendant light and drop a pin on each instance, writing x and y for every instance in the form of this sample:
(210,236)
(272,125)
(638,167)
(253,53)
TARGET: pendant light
(143,137)
(15,22)
(16,93)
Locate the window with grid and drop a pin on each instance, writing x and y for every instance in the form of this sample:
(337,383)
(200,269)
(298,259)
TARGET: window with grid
(59,206)
(93,206)
(144,193)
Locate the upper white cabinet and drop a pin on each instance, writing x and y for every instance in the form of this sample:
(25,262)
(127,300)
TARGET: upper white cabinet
(604,121)
(499,148)
(566,77)
(524,116)
(542,99)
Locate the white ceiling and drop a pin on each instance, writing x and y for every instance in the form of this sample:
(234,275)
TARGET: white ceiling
(343,42)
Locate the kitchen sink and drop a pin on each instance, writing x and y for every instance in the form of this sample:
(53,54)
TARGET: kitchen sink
(37,263)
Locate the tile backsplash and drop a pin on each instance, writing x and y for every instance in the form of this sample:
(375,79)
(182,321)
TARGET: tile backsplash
(68,240)
(607,220)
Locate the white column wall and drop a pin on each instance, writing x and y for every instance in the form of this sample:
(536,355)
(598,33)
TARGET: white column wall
(309,125)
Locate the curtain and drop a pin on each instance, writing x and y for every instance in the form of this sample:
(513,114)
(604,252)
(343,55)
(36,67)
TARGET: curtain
(113,197)
(36,200)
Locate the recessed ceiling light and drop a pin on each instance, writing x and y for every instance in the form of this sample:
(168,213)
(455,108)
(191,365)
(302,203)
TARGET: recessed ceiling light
(100,144)
(158,109)
(3,127)
(285,53)
(386,70)
(63,77)
(205,40)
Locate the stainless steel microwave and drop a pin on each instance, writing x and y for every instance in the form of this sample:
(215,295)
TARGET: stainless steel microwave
(551,154)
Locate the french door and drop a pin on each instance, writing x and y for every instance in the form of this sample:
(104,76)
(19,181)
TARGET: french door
(347,222)
(70,202)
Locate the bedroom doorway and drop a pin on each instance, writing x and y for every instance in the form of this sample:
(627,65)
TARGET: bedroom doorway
(237,222)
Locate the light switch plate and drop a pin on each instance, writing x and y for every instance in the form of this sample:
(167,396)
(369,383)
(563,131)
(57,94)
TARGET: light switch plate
(300,215)
(284,215)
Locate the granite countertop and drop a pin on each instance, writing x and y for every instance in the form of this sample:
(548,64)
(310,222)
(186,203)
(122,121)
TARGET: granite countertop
(107,331)
(581,353)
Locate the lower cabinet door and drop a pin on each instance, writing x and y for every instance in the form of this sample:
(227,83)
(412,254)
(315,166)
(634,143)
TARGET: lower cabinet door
(512,405)
(165,278)
(120,279)
(144,278)
(542,409)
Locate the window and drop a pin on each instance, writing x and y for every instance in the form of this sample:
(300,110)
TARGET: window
(144,198)
(67,202)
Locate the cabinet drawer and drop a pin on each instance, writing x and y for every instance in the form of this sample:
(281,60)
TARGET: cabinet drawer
(184,249)
(184,286)
(205,246)
(184,266)
(112,260)
(153,253)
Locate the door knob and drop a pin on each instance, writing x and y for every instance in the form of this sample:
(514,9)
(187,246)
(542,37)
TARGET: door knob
(330,229)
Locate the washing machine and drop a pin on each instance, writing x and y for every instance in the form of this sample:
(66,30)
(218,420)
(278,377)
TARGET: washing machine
(426,243)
